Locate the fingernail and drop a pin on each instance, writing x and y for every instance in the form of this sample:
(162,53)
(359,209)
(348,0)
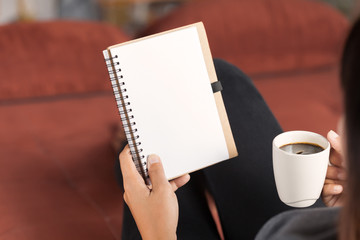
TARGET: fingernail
(338,188)
(333,134)
(153,159)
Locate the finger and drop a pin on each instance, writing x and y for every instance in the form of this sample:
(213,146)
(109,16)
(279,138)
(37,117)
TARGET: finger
(179,182)
(335,141)
(335,173)
(338,182)
(335,158)
(332,189)
(129,172)
(156,172)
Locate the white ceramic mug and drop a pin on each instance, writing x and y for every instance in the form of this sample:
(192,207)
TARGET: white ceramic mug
(300,178)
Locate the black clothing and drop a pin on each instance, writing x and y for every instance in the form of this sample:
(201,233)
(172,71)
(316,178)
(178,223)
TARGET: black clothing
(303,224)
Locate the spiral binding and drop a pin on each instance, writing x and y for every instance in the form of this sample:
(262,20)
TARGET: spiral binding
(125,111)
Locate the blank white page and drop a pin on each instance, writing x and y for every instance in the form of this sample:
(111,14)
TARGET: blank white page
(172,101)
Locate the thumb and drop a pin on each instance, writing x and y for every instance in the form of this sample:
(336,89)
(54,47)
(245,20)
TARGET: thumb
(156,172)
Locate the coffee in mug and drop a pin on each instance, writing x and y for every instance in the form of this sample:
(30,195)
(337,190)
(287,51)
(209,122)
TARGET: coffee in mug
(302,148)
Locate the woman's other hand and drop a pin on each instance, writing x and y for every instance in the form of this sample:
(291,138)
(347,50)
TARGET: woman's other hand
(155,209)
(333,189)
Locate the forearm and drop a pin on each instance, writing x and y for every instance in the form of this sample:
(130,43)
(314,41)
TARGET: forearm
(159,236)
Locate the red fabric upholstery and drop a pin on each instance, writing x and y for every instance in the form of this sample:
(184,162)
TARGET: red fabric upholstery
(262,36)
(304,101)
(56,179)
(57,119)
(43,59)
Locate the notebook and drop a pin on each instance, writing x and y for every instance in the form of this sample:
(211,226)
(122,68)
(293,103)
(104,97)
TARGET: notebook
(163,86)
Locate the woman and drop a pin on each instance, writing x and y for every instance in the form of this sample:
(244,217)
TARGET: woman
(244,190)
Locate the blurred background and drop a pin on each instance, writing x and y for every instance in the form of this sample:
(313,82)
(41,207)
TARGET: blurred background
(131,15)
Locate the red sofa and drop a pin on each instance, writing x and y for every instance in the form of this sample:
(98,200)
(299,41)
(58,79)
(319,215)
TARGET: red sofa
(58,114)
(57,120)
(290,48)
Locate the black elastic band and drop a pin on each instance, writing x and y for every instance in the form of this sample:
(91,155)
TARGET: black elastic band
(216,86)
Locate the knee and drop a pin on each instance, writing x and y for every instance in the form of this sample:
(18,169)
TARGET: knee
(234,80)
(225,68)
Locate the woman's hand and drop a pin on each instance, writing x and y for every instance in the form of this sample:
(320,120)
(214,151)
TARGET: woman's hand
(336,174)
(154,209)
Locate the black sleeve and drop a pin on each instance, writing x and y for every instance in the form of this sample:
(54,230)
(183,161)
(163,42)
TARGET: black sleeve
(309,224)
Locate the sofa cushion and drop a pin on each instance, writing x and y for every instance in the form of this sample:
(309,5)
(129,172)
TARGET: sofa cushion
(309,101)
(56,176)
(262,36)
(51,58)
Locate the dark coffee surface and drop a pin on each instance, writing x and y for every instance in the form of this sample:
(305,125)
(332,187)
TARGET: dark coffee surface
(302,148)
